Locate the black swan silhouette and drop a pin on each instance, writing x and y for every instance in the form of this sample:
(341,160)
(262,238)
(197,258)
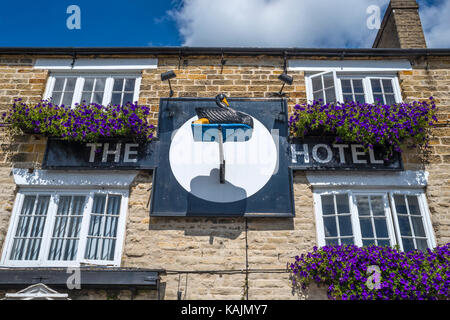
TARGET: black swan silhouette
(222,115)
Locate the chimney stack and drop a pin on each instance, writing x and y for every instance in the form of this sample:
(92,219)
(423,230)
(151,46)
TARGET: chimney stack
(401,27)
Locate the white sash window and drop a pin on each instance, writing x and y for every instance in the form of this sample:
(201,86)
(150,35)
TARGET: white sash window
(332,86)
(60,220)
(383,218)
(384,209)
(100,88)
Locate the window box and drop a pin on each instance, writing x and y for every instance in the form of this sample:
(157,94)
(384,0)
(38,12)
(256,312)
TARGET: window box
(394,126)
(84,122)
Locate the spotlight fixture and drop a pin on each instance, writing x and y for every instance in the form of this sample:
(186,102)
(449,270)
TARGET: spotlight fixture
(286,80)
(167,76)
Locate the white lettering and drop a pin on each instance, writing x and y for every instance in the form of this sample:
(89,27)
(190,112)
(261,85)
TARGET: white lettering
(316,156)
(372,158)
(93,147)
(128,152)
(107,152)
(303,153)
(356,153)
(341,152)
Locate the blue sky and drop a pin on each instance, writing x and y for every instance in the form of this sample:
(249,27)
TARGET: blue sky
(265,23)
(103,23)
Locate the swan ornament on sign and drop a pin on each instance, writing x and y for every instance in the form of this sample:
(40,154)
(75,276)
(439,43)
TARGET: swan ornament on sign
(220,124)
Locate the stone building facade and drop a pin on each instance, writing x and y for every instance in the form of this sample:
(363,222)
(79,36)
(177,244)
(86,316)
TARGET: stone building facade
(222,257)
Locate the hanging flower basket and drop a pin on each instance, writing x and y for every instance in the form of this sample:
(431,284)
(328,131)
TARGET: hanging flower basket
(84,122)
(391,126)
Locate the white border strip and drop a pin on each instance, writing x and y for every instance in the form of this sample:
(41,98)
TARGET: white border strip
(71,179)
(403,179)
(349,65)
(96,64)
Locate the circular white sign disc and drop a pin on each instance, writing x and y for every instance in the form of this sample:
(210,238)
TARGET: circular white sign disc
(249,165)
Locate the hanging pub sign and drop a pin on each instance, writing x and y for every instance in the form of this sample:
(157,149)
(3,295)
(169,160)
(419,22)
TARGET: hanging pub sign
(222,158)
(322,153)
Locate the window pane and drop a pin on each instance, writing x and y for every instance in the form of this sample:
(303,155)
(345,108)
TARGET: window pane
(98,97)
(342,203)
(330,95)
(56,97)
(390,98)
(28,235)
(318,95)
(384,243)
(362,203)
(378,98)
(366,227)
(348,97)
(115,99)
(114,205)
(330,226)
(346,86)
(70,84)
(129,85)
(118,84)
(377,205)
(127,97)
(387,86)
(347,241)
(86,96)
(67,99)
(419,231)
(376,86)
(100,84)
(358,86)
(88,84)
(400,205)
(360,98)
(381,228)
(328,80)
(413,205)
(331,242)
(422,244)
(405,228)
(327,204)
(99,204)
(59,84)
(345,226)
(408,244)
(368,242)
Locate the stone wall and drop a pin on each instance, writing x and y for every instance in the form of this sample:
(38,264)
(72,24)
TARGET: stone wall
(207,258)
(431,78)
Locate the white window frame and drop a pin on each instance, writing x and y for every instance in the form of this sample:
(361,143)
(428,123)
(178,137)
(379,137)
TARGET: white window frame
(365,76)
(43,261)
(390,212)
(110,76)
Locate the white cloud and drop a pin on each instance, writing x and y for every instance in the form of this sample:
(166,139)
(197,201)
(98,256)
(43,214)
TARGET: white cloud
(436,23)
(276,23)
